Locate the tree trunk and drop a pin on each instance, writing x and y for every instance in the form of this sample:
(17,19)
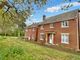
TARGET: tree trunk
(5,33)
(18,33)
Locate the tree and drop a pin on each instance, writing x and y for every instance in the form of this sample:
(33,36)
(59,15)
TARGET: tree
(15,12)
(20,7)
(10,26)
(5,24)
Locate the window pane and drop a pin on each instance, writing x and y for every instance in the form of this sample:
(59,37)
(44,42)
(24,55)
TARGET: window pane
(51,25)
(41,36)
(42,27)
(65,38)
(65,23)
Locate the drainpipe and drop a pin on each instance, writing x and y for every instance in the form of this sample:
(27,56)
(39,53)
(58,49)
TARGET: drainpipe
(78,25)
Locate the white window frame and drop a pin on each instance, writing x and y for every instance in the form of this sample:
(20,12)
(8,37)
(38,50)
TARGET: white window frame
(26,30)
(64,37)
(41,38)
(52,25)
(42,27)
(33,29)
(63,24)
(33,37)
(29,37)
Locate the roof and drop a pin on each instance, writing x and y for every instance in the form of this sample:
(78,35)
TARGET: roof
(33,25)
(61,17)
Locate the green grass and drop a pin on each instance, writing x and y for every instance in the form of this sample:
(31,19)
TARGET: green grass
(15,49)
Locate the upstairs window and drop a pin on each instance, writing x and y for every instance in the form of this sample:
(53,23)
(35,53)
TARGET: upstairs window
(65,38)
(42,27)
(26,30)
(64,24)
(33,37)
(33,29)
(51,25)
(42,36)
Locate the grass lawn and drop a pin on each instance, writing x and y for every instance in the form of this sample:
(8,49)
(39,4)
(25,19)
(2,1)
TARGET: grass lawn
(15,49)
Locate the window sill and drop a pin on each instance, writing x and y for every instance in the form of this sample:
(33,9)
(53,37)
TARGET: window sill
(65,43)
(51,27)
(41,39)
(65,26)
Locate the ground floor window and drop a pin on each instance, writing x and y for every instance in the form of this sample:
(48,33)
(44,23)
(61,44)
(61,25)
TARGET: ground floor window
(65,38)
(29,38)
(42,36)
(33,37)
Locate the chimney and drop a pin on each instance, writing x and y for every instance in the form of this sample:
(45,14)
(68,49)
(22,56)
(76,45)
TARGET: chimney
(44,17)
(79,10)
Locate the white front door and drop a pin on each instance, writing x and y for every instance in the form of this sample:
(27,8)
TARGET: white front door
(51,39)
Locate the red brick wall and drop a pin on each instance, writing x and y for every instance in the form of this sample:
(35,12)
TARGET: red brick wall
(40,31)
(72,30)
(31,33)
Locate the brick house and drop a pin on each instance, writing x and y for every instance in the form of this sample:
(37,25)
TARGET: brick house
(31,32)
(61,29)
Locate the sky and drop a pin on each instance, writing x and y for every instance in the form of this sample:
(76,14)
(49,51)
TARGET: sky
(52,8)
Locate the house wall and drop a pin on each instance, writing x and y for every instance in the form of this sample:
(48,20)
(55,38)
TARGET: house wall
(72,30)
(40,31)
(30,34)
